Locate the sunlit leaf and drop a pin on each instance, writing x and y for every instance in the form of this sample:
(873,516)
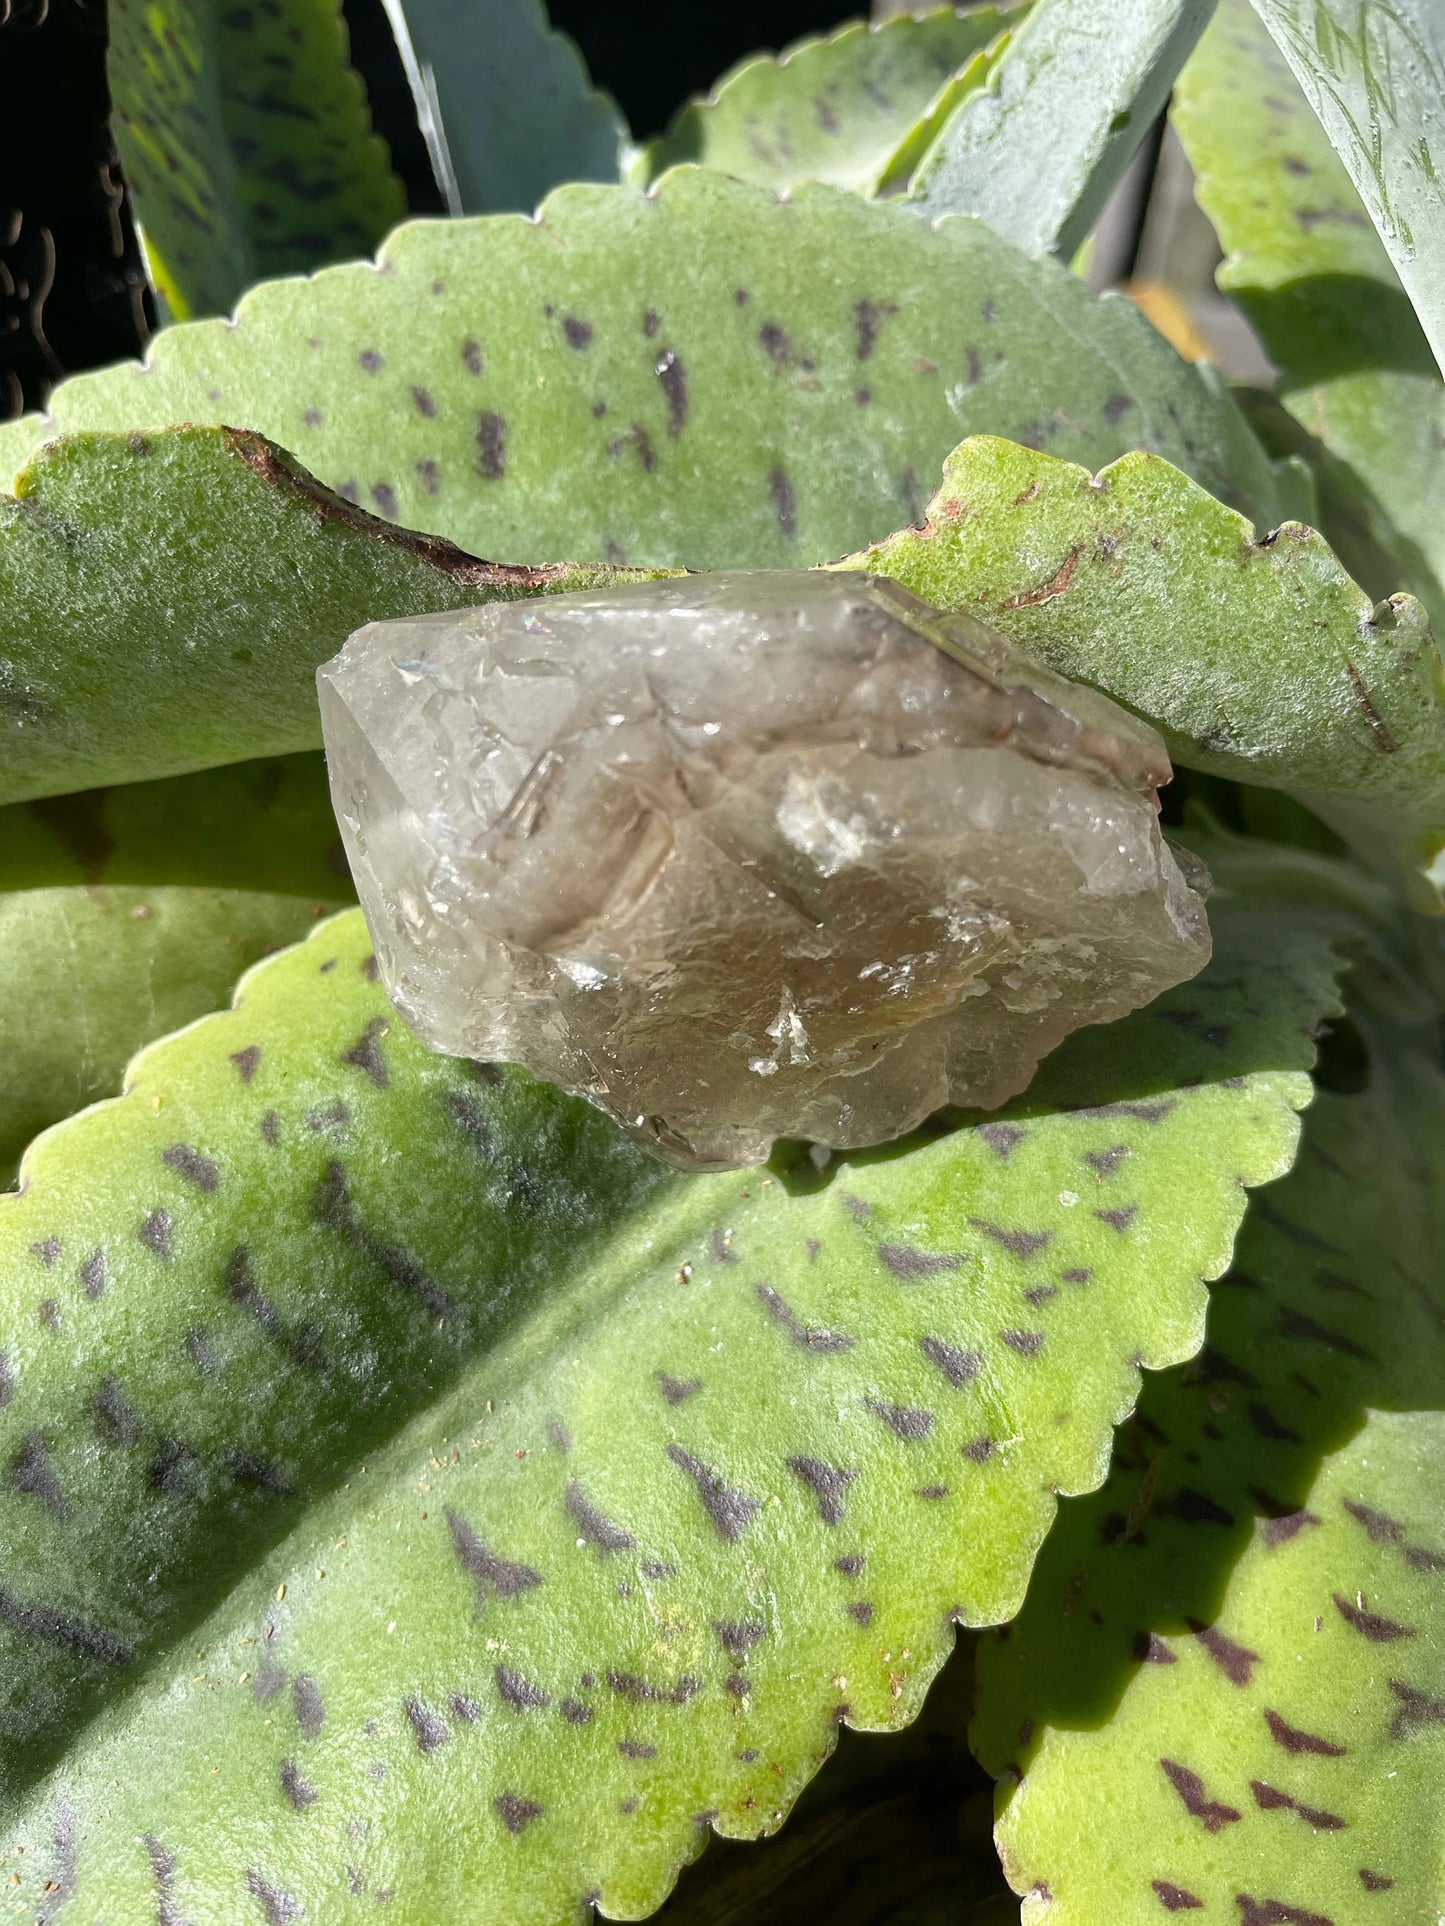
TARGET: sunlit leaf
(1259,659)
(1240,1641)
(1037,151)
(414,1489)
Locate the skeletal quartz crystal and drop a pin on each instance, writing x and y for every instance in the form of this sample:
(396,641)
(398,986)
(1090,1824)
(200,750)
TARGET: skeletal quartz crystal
(744,856)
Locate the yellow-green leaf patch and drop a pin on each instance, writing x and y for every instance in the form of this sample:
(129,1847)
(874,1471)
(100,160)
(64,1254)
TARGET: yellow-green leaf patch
(412,1489)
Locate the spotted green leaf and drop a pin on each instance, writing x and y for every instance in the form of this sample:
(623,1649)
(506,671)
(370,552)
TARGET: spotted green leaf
(246,141)
(262,826)
(1260,660)
(411,1488)
(1374,72)
(899,1828)
(1315,281)
(89,975)
(505,103)
(829,109)
(705,375)
(1039,148)
(230,573)
(1240,1641)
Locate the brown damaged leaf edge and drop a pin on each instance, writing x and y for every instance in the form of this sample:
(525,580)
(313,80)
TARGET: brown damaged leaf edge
(286,475)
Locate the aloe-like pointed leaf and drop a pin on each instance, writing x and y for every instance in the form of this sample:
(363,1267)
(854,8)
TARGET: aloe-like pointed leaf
(246,141)
(89,975)
(504,102)
(704,375)
(1314,280)
(403,1441)
(1375,75)
(232,575)
(829,109)
(1260,660)
(263,826)
(1039,148)
(1240,1641)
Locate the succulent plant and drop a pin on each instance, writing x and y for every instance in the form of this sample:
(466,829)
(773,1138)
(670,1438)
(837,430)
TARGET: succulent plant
(416,1501)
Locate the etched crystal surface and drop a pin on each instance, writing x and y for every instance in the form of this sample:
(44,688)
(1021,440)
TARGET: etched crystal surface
(752,855)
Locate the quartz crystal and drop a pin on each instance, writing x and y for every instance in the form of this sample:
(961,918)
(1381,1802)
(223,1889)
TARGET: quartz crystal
(743,856)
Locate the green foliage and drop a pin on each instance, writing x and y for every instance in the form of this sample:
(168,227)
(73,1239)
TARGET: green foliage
(246,140)
(506,103)
(704,376)
(1037,151)
(1375,75)
(902,1831)
(530,1465)
(89,975)
(414,1498)
(1260,660)
(1313,278)
(834,109)
(1241,1638)
(231,573)
(263,826)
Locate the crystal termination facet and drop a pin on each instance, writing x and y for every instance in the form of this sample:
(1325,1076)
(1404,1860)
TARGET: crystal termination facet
(744,856)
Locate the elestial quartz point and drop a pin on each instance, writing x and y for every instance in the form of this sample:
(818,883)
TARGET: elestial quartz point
(745,856)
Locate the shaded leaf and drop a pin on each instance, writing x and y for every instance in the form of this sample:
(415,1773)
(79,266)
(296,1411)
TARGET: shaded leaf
(1375,75)
(505,103)
(246,141)
(1240,1641)
(264,825)
(473,1466)
(828,109)
(1259,660)
(89,975)
(705,375)
(230,573)
(1039,148)
(1314,280)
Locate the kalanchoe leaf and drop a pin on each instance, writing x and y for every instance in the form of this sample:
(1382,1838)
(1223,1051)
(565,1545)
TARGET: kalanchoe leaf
(1135,580)
(833,109)
(1314,280)
(897,1828)
(247,143)
(89,975)
(1240,1640)
(504,102)
(232,573)
(1037,151)
(264,825)
(705,375)
(404,1441)
(1375,75)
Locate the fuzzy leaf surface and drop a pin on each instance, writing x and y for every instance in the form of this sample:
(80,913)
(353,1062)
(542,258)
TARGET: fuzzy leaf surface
(1375,75)
(1259,660)
(1315,281)
(89,975)
(416,1489)
(1241,1638)
(246,140)
(704,376)
(262,826)
(1039,148)
(230,573)
(505,102)
(828,109)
